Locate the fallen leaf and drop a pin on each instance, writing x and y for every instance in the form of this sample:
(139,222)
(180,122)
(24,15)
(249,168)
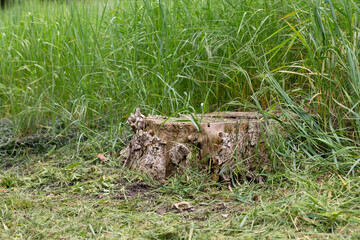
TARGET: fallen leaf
(102,157)
(182,205)
(163,181)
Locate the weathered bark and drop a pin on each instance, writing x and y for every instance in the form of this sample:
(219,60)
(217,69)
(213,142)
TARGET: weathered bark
(214,142)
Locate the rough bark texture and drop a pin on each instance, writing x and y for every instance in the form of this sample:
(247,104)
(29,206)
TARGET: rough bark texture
(214,142)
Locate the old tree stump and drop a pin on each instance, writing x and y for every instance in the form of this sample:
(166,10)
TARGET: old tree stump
(215,142)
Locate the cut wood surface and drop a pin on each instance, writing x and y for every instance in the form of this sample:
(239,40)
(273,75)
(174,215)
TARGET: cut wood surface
(215,142)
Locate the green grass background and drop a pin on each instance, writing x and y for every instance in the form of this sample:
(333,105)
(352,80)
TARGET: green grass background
(86,65)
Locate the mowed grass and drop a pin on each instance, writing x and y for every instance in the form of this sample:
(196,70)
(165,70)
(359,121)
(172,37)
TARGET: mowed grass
(79,69)
(73,196)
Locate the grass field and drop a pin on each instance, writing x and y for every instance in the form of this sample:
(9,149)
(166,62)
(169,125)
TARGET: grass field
(71,73)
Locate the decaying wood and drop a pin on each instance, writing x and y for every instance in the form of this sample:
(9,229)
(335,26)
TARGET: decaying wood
(214,142)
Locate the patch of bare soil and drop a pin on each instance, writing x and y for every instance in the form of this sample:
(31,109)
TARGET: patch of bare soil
(138,189)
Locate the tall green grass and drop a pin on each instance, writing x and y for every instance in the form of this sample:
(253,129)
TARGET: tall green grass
(326,131)
(75,63)
(99,57)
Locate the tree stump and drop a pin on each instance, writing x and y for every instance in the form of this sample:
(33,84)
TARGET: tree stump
(215,142)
